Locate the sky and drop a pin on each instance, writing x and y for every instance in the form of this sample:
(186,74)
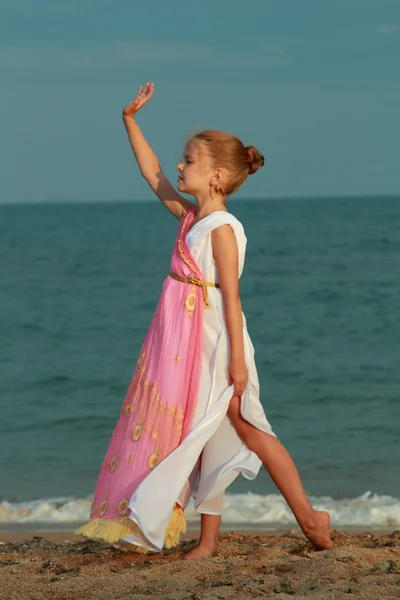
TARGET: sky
(314,84)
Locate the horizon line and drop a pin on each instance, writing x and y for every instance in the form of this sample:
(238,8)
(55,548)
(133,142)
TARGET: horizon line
(254,199)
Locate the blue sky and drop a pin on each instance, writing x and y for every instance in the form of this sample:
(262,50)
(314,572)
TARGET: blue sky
(314,84)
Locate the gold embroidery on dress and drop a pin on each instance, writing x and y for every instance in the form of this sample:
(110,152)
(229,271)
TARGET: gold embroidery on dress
(136,432)
(122,507)
(191,278)
(183,257)
(153,460)
(136,408)
(190,302)
(113,464)
(103,508)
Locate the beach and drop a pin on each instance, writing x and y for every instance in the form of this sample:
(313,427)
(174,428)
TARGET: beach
(256,564)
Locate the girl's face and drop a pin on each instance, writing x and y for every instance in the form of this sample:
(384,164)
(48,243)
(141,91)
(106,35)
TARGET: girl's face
(194,172)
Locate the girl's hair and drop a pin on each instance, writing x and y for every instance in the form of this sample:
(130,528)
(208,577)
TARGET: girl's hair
(227,151)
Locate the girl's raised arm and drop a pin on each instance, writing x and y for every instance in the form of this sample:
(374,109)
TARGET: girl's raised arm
(147,160)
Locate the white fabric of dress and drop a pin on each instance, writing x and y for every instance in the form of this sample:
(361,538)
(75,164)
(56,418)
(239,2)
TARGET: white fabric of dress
(212,455)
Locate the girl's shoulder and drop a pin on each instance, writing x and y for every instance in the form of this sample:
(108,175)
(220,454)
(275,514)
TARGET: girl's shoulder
(221,217)
(214,220)
(217,219)
(227,218)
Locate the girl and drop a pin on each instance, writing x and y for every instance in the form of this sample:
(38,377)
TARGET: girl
(192,419)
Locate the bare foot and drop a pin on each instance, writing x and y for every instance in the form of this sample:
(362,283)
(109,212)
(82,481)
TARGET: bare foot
(201,551)
(317,530)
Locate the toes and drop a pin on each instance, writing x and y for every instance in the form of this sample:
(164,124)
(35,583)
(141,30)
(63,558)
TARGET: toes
(199,552)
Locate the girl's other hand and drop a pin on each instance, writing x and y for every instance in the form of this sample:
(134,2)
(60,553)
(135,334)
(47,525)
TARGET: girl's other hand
(238,376)
(143,96)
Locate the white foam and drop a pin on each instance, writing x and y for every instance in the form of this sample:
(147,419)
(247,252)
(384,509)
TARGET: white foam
(53,510)
(372,510)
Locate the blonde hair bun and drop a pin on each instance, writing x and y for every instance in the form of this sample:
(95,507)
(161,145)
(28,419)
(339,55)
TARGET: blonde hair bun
(255,158)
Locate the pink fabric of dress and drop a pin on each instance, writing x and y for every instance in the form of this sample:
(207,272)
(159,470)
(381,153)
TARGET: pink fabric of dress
(161,400)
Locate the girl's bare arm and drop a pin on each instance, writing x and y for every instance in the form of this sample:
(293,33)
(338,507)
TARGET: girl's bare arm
(226,258)
(147,160)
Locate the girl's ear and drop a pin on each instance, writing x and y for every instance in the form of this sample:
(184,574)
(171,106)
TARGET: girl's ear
(217,181)
(219,175)
(217,178)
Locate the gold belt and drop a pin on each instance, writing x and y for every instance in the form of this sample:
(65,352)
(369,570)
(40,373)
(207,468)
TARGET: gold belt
(199,282)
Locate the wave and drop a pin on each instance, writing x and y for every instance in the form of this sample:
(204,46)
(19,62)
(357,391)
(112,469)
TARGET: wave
(367,510)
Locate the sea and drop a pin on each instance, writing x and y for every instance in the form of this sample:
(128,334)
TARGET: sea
(79,284)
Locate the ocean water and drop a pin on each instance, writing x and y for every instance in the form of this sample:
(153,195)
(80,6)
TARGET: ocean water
(321,293)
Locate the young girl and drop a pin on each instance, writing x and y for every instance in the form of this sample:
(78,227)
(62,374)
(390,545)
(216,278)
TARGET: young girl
(192,419)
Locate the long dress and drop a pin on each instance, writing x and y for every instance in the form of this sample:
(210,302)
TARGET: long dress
(212,455)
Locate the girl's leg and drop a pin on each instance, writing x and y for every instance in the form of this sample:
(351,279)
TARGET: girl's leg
(208,541)
(280,466)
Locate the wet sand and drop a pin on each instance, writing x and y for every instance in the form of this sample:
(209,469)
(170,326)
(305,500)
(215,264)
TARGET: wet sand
(257,565)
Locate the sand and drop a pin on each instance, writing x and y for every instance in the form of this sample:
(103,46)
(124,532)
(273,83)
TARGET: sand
(257,565)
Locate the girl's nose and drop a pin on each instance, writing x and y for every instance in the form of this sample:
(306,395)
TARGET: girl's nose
(179,166)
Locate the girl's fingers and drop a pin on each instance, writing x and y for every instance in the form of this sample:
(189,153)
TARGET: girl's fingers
(144,94)
(149,89)
(146,91)
(239,389)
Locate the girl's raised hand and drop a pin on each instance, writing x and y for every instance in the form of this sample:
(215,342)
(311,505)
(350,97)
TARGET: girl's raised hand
(143,96)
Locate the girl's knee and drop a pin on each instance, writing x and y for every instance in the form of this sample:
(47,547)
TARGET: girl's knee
(250,435)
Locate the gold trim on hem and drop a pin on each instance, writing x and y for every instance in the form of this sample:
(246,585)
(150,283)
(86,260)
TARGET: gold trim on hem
(112,530)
